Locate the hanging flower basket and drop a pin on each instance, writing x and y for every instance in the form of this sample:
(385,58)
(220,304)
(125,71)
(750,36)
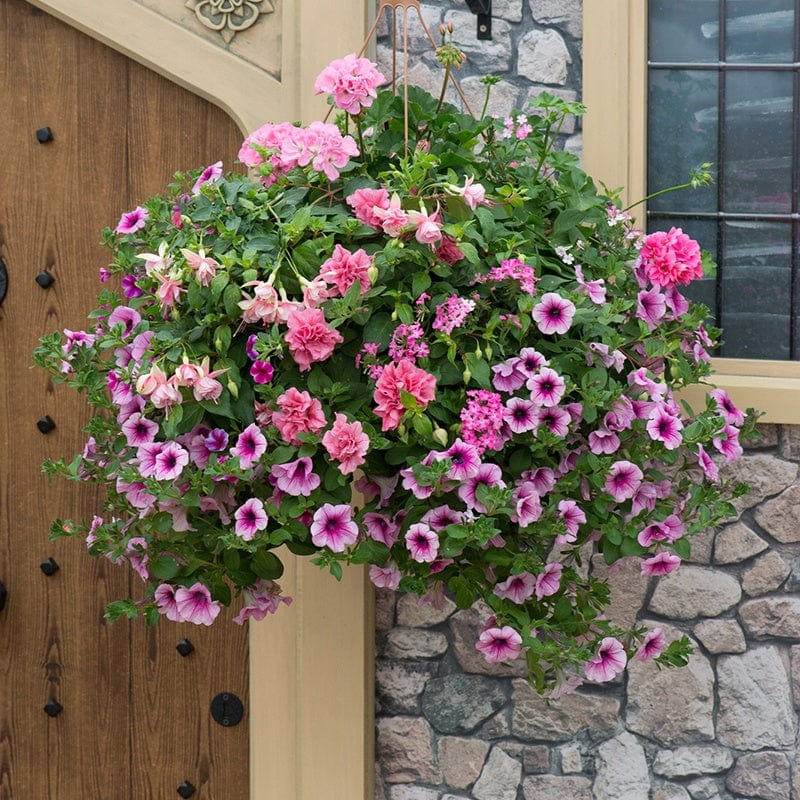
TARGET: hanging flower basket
(456,324)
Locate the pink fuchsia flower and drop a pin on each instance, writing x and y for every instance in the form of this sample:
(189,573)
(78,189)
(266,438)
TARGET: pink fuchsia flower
(725,406)
(652,646)
(263,598)
(660,564)
(487,475)
(296,478)
(261,371)
(195,604)
(427,227)
(623,479)
(132,221)
(297,413)
(250,519)
(344,268)
(448,251)
(665,427)
(346,443)
(650,307)
(517,588)
(139,430)
(474,194)
(387,577)
(422,543)
(363,203)
(394,220)
(333,528)
(553,314)
(670,258)
(520,415)
(526,503)
(164,596)
(210,173)
(352,81)
(668,530)
(608,662)
(546,388)
(263,306)
(309,337)
(549,581)
(707,465)
(408,377)
(499,644)
(380,528)
(204,266)
(169,292)
(170,461)
(250,446)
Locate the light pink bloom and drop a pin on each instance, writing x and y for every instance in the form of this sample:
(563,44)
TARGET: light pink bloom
(344,268)
(474,194)
(527,504)
(726,407)
(146,455)
(708,466)
(508,375)
(555,419)
(464,458)
(623,480)
(728,443)
(603,441)
(147,383)
(263,306)
(170,461)
(661,564)
(546,388)
(440,517)
(381,528)
(610,358)
(487,475)
(195,604)
(132,221)
(309,337)
(650,307)
(427,227)
(333,528)
(608,662)
(297,413)
(652,646)
(250,518)
(573,516)
(394,220)
(169,292)
(665,427)
(553,314)
(210,173)
(670,258)
(352,81)
(296,478)
(517,588)
(322,146)
(403,375)
(594,290)
(164,596)
(520,415)
(250,446)
(263,598)
(499,644)
(387,577)
(549,581)
(364,201)
(346,443)
(204,266)
(668,530)
(422,542)
(166,395)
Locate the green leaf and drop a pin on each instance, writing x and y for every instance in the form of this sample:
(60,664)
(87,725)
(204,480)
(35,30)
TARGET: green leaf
(379,329)
(567,220)
(222,339)
(420,283)
(163,567)
(479,367)
(218,284)
(301,548)
(267,565)
(230,300)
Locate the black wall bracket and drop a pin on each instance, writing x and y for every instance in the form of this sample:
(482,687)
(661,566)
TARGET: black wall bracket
(483,8)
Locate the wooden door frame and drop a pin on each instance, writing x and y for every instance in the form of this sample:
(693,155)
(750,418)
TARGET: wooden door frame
(311,709)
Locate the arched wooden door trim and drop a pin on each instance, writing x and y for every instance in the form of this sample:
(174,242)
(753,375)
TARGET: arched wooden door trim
(311,666)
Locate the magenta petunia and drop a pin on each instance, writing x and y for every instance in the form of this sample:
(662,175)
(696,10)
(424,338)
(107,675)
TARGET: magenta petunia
(440,517)
(210,173)
(508,376)
(296,478)
(517,588)
(195,604)
(555,419)
(139,430)
(487,475)
(608,662)
(667,530)
(726,407)
(553,314)
(530,362)
(464,458)
(665,427)
(520,415)
(661,564)
(546,388)
(652,646)
(332,527)
(146,455)
(549,581)
(499,644)
(728,443)
(264,597)
(573,516)
(422,542)
(707,464)
(170,461)
(603,441)
(650,307)
(623,479)
(250,519)
(262,371)
(132,221)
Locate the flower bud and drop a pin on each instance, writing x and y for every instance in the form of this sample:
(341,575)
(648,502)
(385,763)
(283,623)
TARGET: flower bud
(466,375)
(233,389)
(372,273)
(487,349)
(440,436)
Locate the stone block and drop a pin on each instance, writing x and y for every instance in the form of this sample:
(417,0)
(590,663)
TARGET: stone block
(702,546)
(405,750)
(406,791)
(737,542)
(500,778)
(414,643)
(384,609)
(502,98)
(415,612)
(399,685)
(692,761)
(772,616)
(788,441)
(765,776)
(461,760)
(622,771)
(484,56)
(628,589)
(543,57)
(566,14)
(690,592)
(559,720)
(536,759)
(670,791)
(766,475)
(507,9)
(720,636)
(497,726)
(755,701)
(458,704)
(704,789)
(765,575)
(780,517)
(556,787)
(571,758)
(794,660)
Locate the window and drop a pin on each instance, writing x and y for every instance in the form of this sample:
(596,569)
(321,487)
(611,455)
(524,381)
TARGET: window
(721,78)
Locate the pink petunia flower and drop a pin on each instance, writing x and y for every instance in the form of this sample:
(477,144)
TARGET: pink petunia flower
(170,461)
(296,478)
(309,337)
(132,221)
(508,376)
(546,388)
(707,465)
(549,581)
(332,527)
(261,371)
(139,430)
(650,307)
(728,443)
(652,646)
(346,443)
(499,644)
(387,577)
(381,528)
(195,604)
(250,446)
(603,441)
(422,543)
(573,516)
(553,314)
(517,588)
(726,407)
(608,662)
(440,517)
(164,596)
(668,530)
(594,290)
(263,598)
(464,459)
(665,427)
(520,415)
(210,173)
(555,419)
(661,564)
(527,504)
(623,480)
(487,475)
(250,519)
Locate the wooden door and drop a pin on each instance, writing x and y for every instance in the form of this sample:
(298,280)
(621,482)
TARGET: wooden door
(135,721)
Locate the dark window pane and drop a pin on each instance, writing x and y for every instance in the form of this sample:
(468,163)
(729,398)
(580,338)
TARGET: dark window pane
(679,32)
(760,31)
(758,142)
(682,134)
(756,271)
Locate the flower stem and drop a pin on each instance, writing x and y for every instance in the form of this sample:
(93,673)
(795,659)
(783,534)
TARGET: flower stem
(444,88)
(357,120)
(658,194)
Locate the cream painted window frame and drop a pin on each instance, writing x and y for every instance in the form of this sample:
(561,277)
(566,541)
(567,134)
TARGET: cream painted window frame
(614,152)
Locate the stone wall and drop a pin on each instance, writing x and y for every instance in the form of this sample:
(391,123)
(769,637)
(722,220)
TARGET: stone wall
(452,727)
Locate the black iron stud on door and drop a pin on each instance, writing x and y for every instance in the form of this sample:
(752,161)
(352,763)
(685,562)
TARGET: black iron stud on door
(45,424)
(184,647)
(3,595)
(53,708)
(186,789)
(44,135)
(45,279)
(49,567)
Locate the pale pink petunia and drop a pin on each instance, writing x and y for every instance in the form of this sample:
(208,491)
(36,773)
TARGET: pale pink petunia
(146,455)
(652,646)
(487,475)
(553,314)
(665,427)
(440,517)
(309,337)
(508,376)
(387,577)
(499,644)
(595,290)
(573,516)
(195,604)
(543,479)
(623,479)
(728,443)
(250,519)
(332,527)
(380,528)
(549,581)
(603,441)
(526,503)
(263,598)
(661,564)
(608,662)
(546,388)
(667,530)
(296,478)
(170,461)
(707,464)
(530,361)
(164,596)
(210,173)
(650,307)
(422,542)
(346,443)
(132,221)
(555,419)
(520,415)
(250,446)
(517,588)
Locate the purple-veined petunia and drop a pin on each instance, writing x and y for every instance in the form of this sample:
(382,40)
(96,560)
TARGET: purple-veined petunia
(195,604)
(660,564)
(139,430)
(422,542)
(250,519)
(499,644)
(608,662)
(132,221)
(553,314)
(652,646)
(210,173)
(250,446)
(623,479)
(333,528)
(517,588)
(296,478)
(387,577)
(170,461)
(546,388)
(549,581)
(487,475)
(665,427)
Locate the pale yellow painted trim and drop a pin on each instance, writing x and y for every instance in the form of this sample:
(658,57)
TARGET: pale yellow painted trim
(614,152)
(312,664)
